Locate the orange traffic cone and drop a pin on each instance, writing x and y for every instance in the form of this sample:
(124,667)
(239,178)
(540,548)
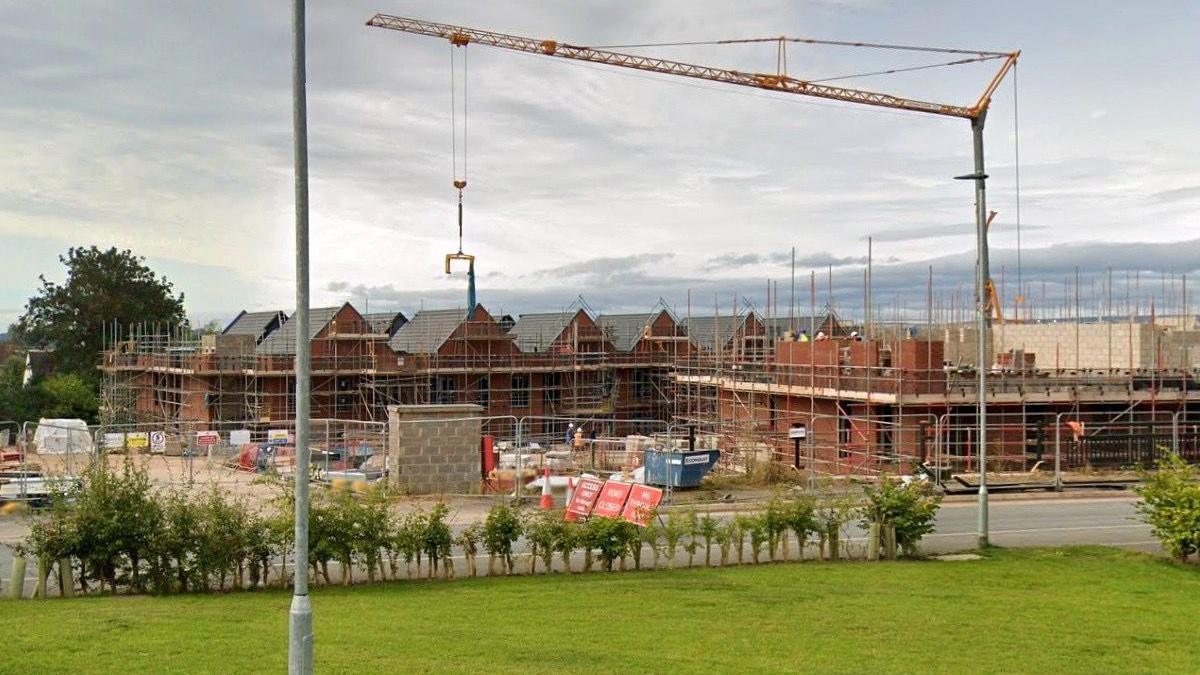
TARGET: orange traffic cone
(547,498)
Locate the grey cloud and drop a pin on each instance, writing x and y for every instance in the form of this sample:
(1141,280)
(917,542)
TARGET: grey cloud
(818,259)
(903,283)
(166,126)
(603,270)
(1183,194)
(937,231)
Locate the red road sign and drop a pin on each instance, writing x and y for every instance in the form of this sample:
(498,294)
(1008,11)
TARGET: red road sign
(612,498)
(208,438)
(586,492)
(642,500)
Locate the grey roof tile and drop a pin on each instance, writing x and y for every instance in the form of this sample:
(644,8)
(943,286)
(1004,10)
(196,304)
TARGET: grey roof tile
(283,340)
(625,330)
(427,331)
(703,331)
(536,332)
(386,322)
(258,324)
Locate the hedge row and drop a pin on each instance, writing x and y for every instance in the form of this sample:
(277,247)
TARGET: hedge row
(116,533)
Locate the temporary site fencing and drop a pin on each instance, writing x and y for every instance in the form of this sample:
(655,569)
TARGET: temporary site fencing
(947,444)
(225,454)
(235,453)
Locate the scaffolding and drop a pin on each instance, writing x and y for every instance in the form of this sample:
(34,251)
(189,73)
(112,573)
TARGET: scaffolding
(876,395)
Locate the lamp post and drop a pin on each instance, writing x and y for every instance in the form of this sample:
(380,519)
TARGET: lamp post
(982,325)
(300,635)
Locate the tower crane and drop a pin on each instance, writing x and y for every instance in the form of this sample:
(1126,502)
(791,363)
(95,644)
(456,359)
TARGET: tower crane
(781,81)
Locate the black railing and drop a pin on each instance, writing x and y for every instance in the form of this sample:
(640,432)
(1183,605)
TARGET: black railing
(1138,448)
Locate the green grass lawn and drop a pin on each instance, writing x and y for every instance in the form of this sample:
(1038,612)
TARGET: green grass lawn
(1079,610)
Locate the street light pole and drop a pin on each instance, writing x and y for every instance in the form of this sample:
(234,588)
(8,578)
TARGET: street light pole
(300,635)
(982,323)
(982,274)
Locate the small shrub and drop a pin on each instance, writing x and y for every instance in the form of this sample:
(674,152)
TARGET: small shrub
(675,529)
(831,516)
(692,524)
(407,533)
(631,539)
(1171,505)
(541,531)
(725,534)
(567,538)
(909,507)
(501,530)
(777,527)
(468,541)
(758,527)
(743,525)
(436,540)
(802,521)
(708,529)
(650,535)
(607,538)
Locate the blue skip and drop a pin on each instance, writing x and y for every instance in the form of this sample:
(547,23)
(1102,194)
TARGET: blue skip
(679,468)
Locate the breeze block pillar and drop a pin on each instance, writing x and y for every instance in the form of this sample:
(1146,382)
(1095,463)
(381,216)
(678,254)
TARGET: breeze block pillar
(434,449)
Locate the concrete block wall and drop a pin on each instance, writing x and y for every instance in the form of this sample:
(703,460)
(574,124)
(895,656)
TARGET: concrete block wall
(1083,345)
(1181,349)
(1100,345)
(433,449)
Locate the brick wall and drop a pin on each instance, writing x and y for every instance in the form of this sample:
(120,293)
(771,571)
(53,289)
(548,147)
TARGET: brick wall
(432,449)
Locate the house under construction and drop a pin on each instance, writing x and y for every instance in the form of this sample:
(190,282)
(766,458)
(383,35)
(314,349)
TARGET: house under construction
(896,394)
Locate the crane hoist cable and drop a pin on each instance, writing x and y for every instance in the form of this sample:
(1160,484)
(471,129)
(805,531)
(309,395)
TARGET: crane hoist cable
(459,180)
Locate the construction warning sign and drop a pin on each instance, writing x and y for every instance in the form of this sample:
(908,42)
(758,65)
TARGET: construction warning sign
(208,438)
(585,496)
(137,440)
(642,501)
(611,499)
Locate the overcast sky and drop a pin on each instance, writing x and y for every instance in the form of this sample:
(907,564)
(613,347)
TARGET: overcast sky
(166,128)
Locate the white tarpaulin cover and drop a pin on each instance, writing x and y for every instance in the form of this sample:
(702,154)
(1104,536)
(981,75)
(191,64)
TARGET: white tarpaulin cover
(60,436)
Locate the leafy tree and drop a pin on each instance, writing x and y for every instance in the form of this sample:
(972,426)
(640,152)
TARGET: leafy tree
(18,402)
(57,396)
(212,327)
(101,287)
(67,395)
